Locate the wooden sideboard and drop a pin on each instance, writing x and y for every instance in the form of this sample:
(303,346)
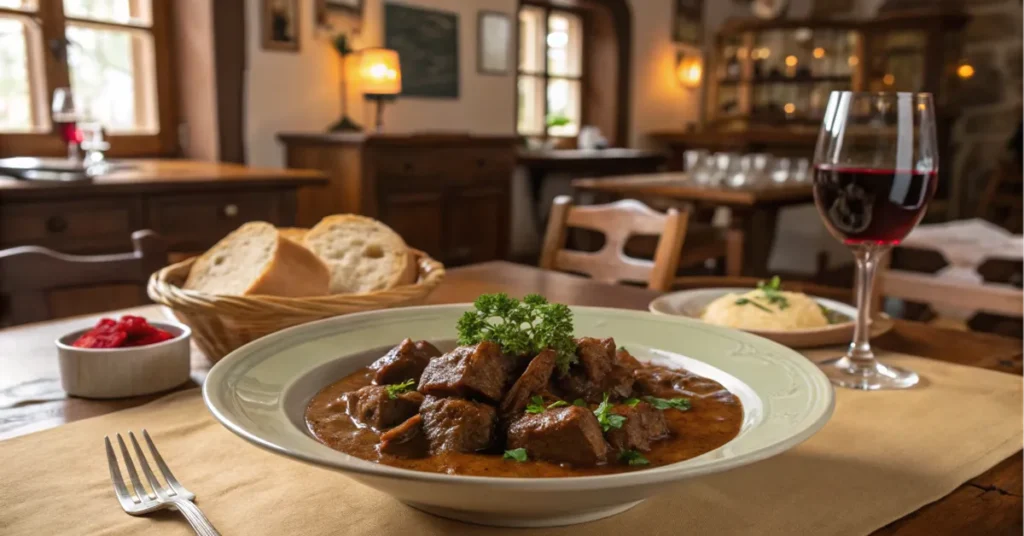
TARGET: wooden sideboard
(190,204)
(446,194)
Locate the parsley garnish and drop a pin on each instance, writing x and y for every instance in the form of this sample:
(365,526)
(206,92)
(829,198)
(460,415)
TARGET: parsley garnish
(518,455)
(623,349)
(396,389)
(682,404)
(771,291)
(633,457)
(744,301)
(632,402)
(521,327)
(606,418)
(579,402)
(536,405)
(558,404)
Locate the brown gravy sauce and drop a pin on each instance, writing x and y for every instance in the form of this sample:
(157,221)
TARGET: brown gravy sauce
(713,420)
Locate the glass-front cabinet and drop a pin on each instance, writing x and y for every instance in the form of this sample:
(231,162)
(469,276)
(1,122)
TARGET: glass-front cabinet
(780,73)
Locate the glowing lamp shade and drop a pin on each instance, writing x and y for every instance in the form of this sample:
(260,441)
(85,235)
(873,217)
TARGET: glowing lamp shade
(380,72)
(690,70)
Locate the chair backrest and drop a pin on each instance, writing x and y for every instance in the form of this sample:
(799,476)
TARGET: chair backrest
(29,273)
(994,298)
(617,221)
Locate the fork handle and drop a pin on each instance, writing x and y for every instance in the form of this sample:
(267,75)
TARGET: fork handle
(195,517)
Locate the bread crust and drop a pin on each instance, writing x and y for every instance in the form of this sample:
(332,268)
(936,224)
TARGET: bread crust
(404,269)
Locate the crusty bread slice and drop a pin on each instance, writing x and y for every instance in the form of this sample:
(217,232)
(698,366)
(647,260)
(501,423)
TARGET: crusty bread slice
(363,254)
(257,259)
(295,234)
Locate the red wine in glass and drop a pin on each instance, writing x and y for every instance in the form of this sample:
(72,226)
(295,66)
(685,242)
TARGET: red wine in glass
(863,206)
(69,131)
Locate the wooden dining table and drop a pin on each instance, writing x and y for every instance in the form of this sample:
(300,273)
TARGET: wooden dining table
(754,209)
(990,503)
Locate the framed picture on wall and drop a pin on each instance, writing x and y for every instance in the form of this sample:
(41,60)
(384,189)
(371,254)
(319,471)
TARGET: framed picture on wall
(280,25)
(688,22)
(352,6)
(494,43)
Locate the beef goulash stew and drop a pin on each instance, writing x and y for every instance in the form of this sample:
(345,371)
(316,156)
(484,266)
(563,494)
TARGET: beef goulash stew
(521,397)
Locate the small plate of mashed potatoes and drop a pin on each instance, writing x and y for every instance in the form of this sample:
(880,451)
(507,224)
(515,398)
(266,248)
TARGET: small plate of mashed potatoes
(790,318)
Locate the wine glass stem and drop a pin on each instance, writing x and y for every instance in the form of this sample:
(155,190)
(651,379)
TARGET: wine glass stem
(868,258)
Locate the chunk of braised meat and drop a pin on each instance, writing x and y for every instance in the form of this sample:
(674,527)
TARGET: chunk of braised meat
(533,380)
(372,406)
(478,372)
(406,440)
(457,424)
(569,435)
(601,369)
(643,425)
(404,362)
(664,382)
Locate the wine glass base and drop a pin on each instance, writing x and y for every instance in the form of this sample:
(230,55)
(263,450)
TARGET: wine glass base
(846,373)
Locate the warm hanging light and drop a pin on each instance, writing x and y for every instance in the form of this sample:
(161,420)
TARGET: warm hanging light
(819,53)
(380,72)
(965,71)
(889,79)
(791,61)
(690,71)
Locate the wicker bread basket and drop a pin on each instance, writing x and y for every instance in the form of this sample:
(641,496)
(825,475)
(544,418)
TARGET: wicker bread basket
(220,324)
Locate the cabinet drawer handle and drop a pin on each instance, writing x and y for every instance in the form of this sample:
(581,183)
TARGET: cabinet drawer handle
(231,210)
(481,162)
(407,166)
(56,224)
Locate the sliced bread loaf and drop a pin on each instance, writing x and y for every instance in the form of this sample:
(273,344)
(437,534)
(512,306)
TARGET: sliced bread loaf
(363,254)
(257,259)
(295,234)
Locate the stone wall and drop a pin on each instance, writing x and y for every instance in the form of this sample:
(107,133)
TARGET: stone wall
(991,99)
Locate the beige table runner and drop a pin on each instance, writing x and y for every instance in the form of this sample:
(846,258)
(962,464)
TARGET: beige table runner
(882,456)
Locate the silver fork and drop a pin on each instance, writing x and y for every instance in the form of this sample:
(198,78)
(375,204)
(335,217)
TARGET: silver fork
(138,501)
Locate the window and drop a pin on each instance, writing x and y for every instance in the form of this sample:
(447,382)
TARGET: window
(114,56)
(550,82)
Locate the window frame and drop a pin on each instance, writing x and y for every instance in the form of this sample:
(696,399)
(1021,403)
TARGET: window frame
(545,77)
(52,21)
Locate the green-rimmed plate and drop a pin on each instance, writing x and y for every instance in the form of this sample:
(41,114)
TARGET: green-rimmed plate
(261,390)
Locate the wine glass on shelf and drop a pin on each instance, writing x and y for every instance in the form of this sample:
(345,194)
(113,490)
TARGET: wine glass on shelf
(875,170)
(66,115)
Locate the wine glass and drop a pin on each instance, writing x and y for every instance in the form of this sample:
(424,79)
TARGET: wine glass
(66,115)
(875,169)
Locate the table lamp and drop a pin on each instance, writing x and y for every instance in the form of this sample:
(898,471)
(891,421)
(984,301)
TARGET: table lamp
(381,75)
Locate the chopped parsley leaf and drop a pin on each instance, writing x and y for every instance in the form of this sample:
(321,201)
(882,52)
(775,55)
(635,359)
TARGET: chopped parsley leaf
(518,455)
(579,402)
(398,388)
(745,301)
(632,402)
(557,404)
(682,404)
(633,457)
(606,418)
(536,405)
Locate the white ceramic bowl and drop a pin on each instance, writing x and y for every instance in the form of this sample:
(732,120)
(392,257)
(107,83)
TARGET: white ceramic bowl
(123,372)
(261,390)
(691,304)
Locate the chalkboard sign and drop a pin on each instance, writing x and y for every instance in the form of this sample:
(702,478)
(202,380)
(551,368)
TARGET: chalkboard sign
(427,42)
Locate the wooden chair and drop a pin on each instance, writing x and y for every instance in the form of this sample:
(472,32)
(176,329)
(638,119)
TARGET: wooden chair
(617,221)
(993,298)
(29,273)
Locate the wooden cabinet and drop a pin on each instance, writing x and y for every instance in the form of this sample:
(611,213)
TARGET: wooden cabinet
(448,195)
(190,204)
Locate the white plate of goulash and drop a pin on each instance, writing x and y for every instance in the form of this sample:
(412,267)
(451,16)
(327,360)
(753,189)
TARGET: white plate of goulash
(793,319)
(328,393)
